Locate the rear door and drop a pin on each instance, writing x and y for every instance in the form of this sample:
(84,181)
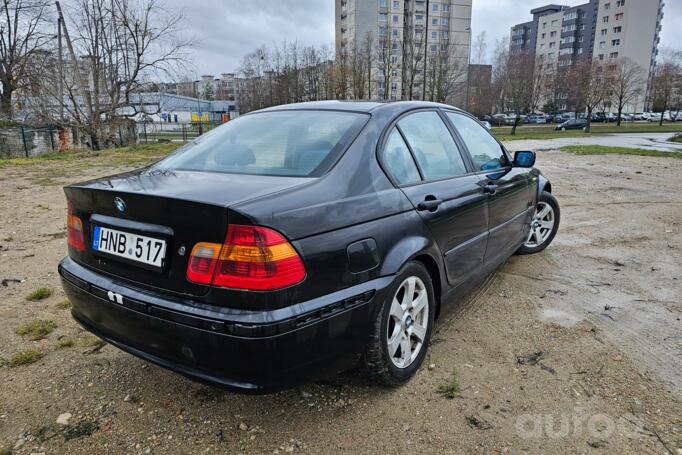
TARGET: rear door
(425,160)
(508,188)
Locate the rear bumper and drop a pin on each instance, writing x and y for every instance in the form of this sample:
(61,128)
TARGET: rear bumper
(248,351)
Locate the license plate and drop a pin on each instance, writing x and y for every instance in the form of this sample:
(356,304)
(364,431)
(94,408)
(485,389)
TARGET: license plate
(135,247)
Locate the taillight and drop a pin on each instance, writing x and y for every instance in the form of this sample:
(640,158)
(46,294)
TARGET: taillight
(252,257)
(74,229)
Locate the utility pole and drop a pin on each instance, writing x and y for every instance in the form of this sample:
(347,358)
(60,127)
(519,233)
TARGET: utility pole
(468,70)
(60,60)
(426,49)
(83,85)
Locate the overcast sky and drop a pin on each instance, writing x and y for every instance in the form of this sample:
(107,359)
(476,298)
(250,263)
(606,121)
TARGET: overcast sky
(228,29)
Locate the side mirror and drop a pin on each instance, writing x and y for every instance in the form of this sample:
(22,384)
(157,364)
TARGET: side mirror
(524,159)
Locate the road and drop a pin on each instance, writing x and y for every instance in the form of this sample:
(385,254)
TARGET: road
(649,141)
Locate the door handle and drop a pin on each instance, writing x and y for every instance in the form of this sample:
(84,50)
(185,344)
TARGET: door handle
(490,188)
(430,203)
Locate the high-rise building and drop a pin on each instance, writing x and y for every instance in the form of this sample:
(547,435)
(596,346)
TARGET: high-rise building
(418,35)
(603,30)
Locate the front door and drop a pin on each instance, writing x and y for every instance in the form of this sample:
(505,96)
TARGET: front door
(509,188)
(448,196)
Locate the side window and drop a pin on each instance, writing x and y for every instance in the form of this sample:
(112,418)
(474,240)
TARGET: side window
(433,146)
(486,152)
(399,161)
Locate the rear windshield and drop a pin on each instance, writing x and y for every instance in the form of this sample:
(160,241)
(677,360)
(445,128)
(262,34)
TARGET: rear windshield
(291,143)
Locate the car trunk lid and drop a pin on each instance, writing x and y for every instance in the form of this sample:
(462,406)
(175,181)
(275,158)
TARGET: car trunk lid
(179,208)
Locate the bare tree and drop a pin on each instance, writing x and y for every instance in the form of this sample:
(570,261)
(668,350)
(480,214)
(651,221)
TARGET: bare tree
(446,74)
(413,56)
(626,82)
(666,81)
(120,43)
(479,48)
(23,34)
(588,79)
(525,83)
(500,76)
(387,59)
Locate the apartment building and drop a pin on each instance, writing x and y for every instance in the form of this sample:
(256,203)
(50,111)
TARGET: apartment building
(428,26)
(604,30)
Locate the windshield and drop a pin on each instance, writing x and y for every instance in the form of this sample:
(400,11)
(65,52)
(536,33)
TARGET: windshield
(291,143)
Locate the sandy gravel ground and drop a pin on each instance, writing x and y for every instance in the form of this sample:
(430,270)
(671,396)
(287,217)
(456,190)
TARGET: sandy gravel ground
(575,350)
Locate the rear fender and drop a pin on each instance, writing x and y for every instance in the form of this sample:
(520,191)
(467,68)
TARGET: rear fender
(410,248)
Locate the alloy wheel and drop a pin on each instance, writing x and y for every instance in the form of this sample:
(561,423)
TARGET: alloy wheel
(408,322)
(541,226)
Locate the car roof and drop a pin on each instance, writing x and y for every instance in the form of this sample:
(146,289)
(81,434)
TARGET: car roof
(357,106)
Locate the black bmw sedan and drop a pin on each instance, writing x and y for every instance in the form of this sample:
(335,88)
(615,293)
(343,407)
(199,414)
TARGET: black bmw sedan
(287,244)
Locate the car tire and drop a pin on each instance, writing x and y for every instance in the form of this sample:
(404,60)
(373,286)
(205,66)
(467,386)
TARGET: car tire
(539,238)
(384,359)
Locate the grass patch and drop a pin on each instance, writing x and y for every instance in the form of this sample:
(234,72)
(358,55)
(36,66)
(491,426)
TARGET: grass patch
(95,343)
(36,329)
(64,343)
(64,305)
(25,357)
(452,388)
(81,429)
(676,138)
(606,150)
(137,154)
(525,132)
(39,294)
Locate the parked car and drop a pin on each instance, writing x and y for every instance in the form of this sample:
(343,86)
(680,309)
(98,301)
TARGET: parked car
(281,246)
(487,125)
(599,117)
(573,124)
(656,117)
(639,116)
(535,119)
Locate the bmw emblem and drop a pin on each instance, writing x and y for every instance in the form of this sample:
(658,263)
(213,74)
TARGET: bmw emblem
(120,205)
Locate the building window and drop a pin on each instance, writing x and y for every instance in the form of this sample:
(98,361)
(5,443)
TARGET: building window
(396,4)
(554,22)
(383,17)
(434,7)
(434,35)
(419,17)
(615,42)
(552,44)
(434,47)
(605,19)
(601,56)
(544,25)
(395,32)
(446,7)
(619,16)
(383,3)
(543,35)
(446,35)
(434,21)
(602,44)
(617,29)
(620,3)
(580,50)
(604,31)
(613,55)
(396,18)
(607,6)
(552,34)
(446,21)
(542,46)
